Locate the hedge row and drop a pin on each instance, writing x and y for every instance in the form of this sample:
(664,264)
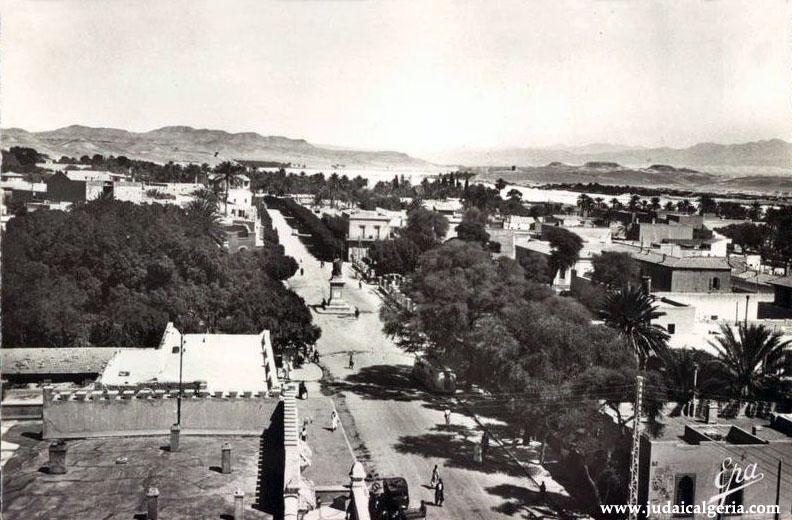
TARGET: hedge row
(324,245)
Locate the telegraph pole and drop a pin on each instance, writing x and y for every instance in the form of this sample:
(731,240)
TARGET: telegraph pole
(181,386)
(632,501)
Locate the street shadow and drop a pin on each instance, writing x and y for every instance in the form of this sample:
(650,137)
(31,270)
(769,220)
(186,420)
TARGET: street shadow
(216,469)
(381,382)
(457,452)
(524,503)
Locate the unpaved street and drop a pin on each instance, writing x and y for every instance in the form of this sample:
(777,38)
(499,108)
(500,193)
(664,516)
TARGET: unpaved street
(401,425)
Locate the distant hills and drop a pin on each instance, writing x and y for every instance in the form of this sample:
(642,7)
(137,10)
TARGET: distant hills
(184,143)
(774,153)
(602,172)
(761,166)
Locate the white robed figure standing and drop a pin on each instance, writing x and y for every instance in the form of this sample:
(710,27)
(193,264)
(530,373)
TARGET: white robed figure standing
(333,420)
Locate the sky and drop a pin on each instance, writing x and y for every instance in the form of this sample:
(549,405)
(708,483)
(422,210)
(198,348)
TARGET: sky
(417,77)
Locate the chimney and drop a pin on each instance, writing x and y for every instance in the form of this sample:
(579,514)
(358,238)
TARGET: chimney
(711,413)
(755,429)
(646,284)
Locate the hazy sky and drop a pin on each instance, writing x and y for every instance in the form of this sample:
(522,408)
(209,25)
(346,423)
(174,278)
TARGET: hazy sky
(412,76)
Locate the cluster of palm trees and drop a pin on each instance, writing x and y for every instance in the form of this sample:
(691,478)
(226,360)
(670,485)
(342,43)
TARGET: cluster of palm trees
(586,204)
(750,363)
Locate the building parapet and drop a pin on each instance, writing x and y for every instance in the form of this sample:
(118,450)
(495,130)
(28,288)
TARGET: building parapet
(147,393)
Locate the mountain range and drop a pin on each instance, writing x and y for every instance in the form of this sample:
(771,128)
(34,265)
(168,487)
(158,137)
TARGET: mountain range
(184,143)
(737,159)
(763,166)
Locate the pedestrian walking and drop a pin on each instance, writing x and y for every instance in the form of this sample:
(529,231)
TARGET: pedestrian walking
(484,445)
(301,271)
(360,284)
(321,264)
(542,491)
(357,313)
(303,390)
(304,433)
(447,414)
(435,477)
(477,453)
(333,420)
(351,361)
(439,493)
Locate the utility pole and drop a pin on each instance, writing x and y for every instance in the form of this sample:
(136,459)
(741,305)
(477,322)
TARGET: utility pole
(181,387)
(778,489)
(695,386)
(632,501)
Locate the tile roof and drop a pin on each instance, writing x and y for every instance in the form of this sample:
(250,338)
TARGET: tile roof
(87,360)
(684,262)
(784,281)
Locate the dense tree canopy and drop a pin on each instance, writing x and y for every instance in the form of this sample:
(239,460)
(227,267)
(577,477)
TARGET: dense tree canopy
(615,270)
(425,228)
(473,227)
(750,237)
(111,273)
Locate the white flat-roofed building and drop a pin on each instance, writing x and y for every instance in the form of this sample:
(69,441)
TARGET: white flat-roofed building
(225,362)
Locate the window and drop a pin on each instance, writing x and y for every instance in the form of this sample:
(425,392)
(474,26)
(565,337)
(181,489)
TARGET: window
(716,284)
(735,498)
(685,493)
(671,328)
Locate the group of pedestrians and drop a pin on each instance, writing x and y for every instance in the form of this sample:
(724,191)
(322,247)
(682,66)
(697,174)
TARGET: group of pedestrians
(334,421)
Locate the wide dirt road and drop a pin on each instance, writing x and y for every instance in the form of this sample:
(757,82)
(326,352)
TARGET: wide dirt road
(401,426)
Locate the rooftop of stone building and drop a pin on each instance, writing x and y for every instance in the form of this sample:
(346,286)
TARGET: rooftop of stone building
(229,362)
(189,481)
(674,428)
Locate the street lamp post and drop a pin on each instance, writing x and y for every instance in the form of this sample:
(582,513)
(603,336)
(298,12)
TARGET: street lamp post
(181,387)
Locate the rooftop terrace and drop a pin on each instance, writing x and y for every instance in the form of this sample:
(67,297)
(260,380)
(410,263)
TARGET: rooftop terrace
(190,483)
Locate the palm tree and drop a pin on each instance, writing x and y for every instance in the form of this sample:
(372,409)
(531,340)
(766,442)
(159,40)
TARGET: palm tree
(683,366)
(204,214)
(655,203)
(753,358)
(228,173)
(584,202)
(630,311)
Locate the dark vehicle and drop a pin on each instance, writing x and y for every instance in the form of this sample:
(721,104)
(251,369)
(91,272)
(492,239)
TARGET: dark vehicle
(391,500)
(395,494)
(434,376)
